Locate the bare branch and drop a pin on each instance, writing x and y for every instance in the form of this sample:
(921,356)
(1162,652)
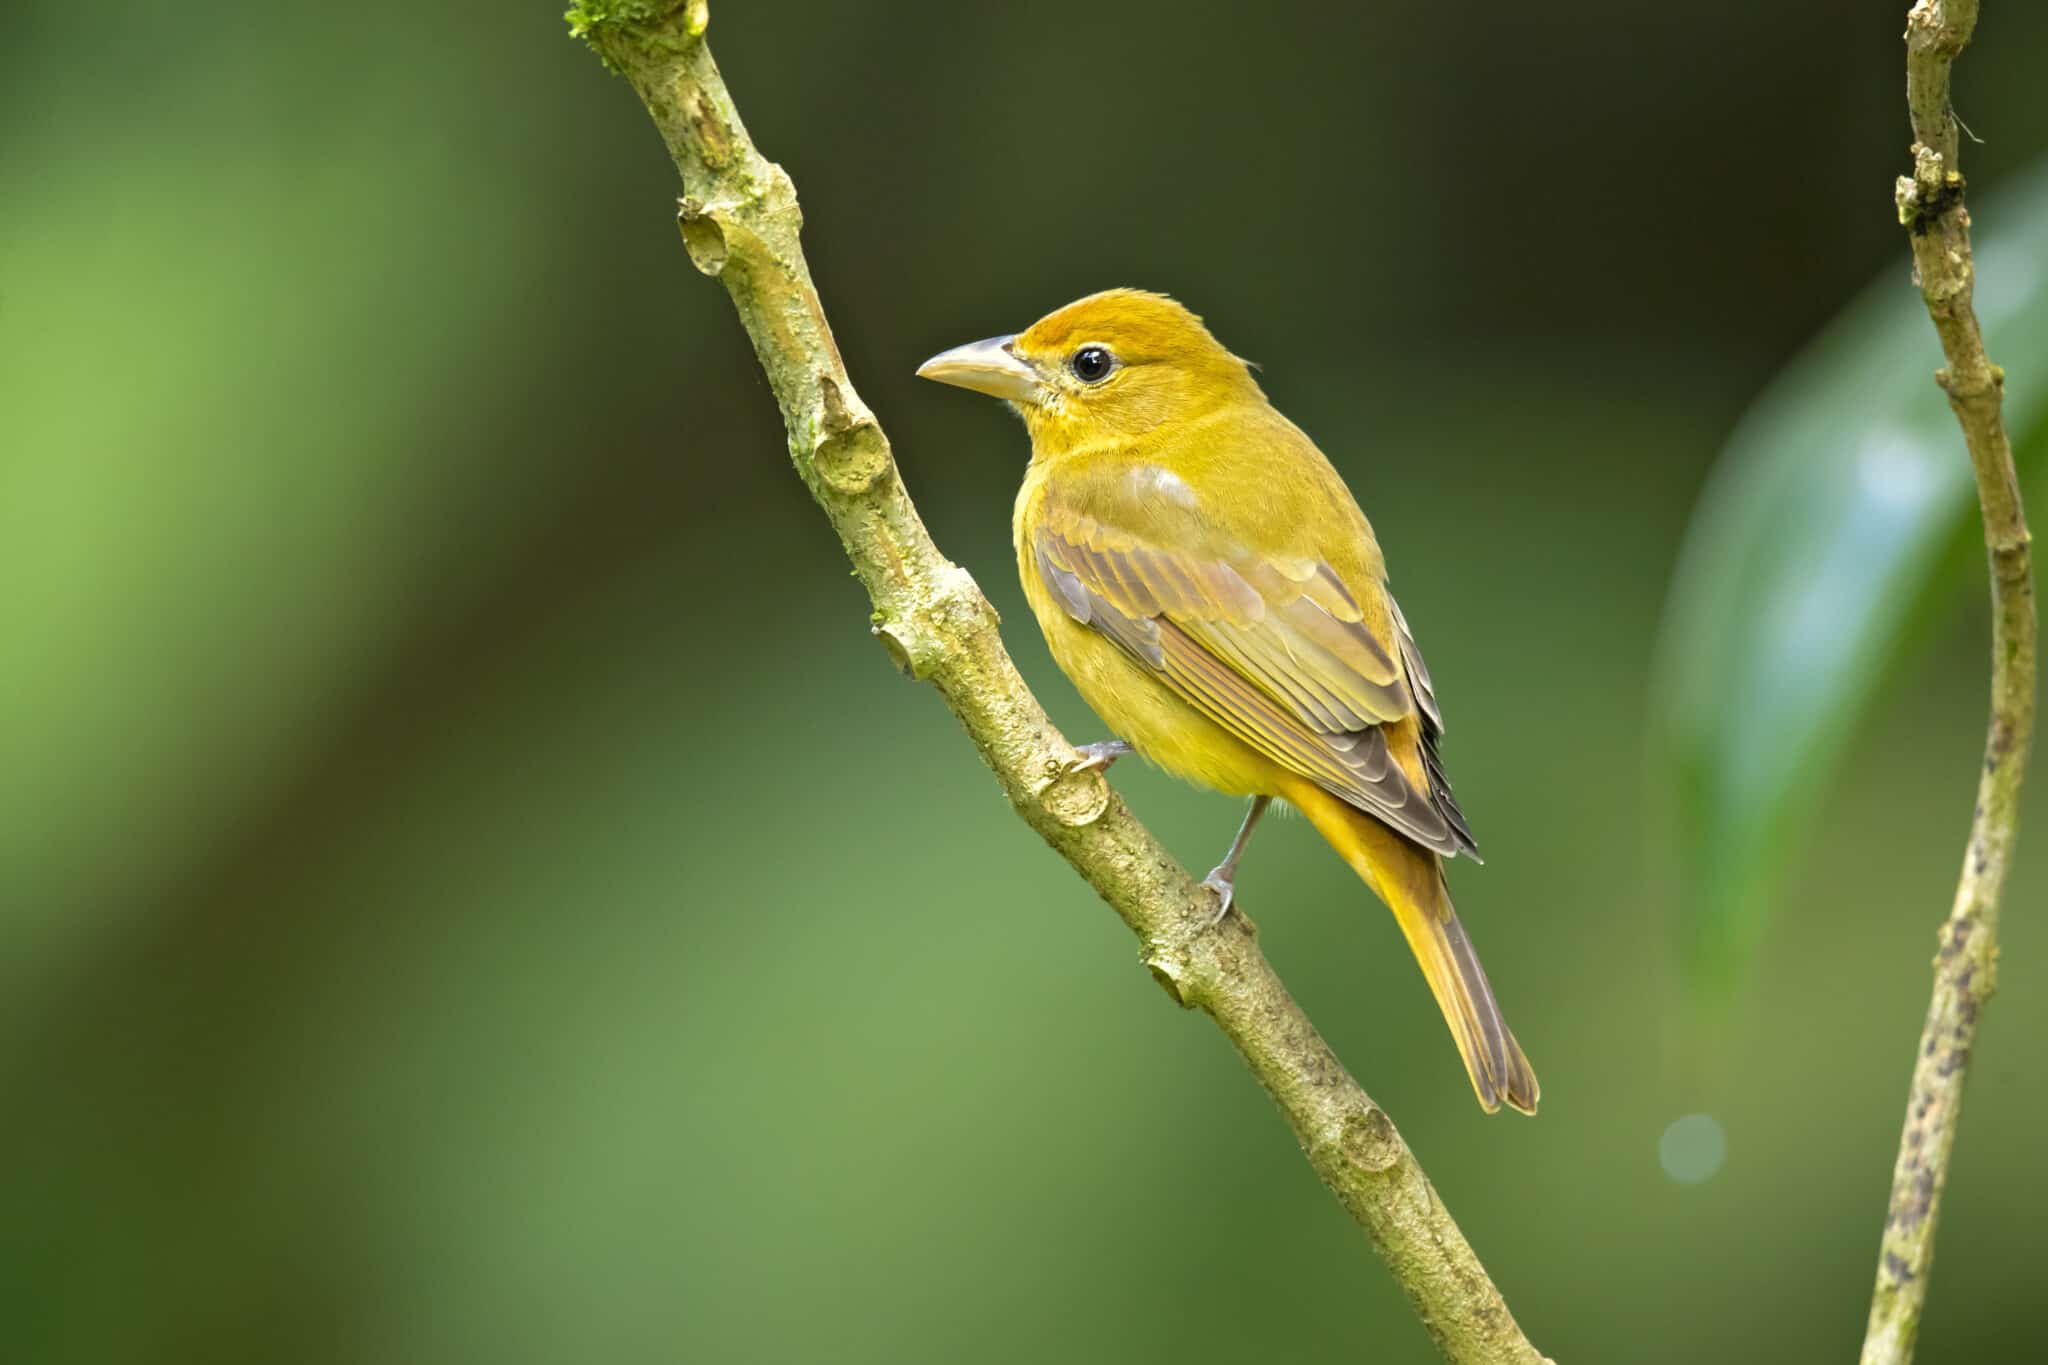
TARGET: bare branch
(740,223)
(1930,203)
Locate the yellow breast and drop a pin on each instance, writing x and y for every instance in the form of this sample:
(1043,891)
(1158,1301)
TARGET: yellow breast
(1131,700)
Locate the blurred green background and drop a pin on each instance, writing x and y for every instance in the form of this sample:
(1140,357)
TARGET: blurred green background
(473,890)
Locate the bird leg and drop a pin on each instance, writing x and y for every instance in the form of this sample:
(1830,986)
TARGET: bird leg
(1223,878)
(1096,757)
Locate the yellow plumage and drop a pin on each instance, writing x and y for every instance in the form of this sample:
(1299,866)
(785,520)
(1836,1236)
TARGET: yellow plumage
(1205,578)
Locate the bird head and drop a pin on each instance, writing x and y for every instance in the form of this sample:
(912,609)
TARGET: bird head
(1115,364)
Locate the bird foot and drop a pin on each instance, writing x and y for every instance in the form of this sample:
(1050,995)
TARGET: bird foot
(1096,757)
(1220,882)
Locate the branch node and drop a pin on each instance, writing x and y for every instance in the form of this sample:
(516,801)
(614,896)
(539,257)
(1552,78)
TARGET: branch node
(1370,1142)
(960,604)
(901,644)
(1927,168)
(1928,193)
(1170,973)
(703,238)
(1076,797)
(605,24)
(850,453)
(928,637)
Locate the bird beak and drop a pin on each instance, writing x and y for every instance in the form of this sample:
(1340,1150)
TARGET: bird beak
(989,367)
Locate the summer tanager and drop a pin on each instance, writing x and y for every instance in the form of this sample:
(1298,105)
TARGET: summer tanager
(1208,582)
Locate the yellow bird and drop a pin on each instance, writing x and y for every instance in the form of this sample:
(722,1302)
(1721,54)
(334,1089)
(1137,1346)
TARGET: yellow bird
(1208,582)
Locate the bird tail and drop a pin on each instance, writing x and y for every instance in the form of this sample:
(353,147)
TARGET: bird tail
(1410,879)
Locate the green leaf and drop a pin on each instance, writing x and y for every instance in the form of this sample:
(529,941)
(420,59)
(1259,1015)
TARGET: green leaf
(1822,532)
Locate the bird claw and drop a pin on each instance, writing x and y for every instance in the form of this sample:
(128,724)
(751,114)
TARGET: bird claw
(1226,894)
(1096,757)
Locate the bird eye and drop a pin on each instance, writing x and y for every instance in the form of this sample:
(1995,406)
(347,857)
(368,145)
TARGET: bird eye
(1092,364)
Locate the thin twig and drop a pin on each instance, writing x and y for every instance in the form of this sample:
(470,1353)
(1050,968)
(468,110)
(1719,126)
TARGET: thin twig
(740,223)
(1930,203)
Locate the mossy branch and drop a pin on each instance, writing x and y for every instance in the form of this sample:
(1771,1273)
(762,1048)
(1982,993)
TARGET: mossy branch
(740,223)
(1930,205)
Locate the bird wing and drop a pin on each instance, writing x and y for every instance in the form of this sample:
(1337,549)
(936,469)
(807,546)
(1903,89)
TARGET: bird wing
(1277,651)
(1432,718)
